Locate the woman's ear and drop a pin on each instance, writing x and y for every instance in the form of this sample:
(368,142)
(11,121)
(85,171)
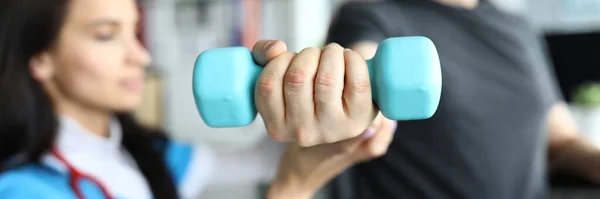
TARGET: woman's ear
(41,66)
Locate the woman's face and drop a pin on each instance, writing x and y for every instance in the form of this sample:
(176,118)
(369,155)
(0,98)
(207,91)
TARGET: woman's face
(98,61)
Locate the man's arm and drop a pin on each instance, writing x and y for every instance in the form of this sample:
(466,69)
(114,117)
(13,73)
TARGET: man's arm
(567,149)
(356,26)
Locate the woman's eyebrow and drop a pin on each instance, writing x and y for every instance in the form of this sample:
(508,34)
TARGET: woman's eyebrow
(103,22)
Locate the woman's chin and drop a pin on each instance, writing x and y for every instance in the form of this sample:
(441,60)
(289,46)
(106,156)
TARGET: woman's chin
(129,104)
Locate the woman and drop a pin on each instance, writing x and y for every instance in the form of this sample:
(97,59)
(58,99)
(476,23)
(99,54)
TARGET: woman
(71,70)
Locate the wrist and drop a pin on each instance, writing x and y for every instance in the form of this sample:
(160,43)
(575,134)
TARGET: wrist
(587,166)
(560,155)
(288,187)
(580,157)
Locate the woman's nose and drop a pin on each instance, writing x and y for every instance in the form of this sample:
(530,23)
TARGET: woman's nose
(138,55)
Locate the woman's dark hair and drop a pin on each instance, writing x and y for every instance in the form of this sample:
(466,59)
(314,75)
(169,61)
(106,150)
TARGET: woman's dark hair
(28,123)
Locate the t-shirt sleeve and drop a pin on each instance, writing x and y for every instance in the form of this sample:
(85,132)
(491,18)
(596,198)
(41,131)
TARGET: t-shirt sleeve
(548,81)
(354,22)
(191,166)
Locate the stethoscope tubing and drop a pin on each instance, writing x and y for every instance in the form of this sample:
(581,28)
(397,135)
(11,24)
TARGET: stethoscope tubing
(76,176)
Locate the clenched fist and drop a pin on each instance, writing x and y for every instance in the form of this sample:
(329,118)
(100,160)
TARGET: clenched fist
(315,96)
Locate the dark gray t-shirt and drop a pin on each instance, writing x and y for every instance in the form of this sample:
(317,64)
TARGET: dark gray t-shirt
(487,139)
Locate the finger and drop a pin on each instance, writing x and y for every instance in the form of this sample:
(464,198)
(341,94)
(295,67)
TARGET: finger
(377,121)
(350,146)
(357,89)
(329,85)
(379,143)
(269,96)
(266,50)
(298,94)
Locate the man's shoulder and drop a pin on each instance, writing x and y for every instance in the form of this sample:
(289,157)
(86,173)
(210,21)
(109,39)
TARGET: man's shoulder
(372,7)
(364,21)
(373,3)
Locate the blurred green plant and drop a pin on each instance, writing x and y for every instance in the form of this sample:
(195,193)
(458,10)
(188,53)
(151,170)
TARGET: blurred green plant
(587,94)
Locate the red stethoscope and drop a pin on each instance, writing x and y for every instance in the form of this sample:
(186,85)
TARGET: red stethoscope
(76,176)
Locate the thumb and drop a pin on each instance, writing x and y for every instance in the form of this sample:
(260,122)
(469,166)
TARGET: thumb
(378,144)
(343,148)
(266,50)
(350,145)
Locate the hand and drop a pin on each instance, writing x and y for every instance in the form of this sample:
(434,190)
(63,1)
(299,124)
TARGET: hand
(315,96)
(304,170)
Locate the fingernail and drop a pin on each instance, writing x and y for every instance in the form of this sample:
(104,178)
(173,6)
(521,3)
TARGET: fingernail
(347,49)
(268,47)
(370,132)
(394,126)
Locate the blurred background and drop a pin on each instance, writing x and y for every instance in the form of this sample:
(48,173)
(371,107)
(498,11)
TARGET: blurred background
(176,31)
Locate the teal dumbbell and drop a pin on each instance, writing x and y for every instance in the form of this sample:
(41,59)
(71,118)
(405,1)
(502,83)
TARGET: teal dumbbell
(405,74)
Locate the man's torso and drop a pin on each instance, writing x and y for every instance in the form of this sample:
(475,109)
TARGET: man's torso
(486,139)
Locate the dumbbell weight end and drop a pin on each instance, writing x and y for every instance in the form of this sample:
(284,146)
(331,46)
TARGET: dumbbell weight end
(406,78)
(223,86)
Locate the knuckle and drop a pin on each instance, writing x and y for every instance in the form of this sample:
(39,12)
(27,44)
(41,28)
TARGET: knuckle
(267,83)
(302,137)
(333,46)
(276,134)
(354,56)
(299,72)
(296,77)
(311,50)
(288,55)
(325,80)
(360,85)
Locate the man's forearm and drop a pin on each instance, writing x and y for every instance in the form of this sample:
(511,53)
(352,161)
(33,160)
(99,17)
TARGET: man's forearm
(567,149)
(576,155)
